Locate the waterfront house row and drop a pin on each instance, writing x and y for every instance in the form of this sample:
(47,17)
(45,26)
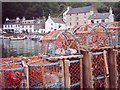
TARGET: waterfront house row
(23,25)
(72,17)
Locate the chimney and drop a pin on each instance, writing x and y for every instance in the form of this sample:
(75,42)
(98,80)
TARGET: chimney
(49,16)
(23,18)
(7,19)
(94,9)
(33,18)
(68,8)
(17,18)
(110,11)
(44,18)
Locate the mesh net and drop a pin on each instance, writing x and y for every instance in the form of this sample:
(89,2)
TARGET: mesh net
(44,74)
(98,71)
(82,38)
(12,76)
(74,70)
(114,37)
(98,38)
(118,67)
(64,42)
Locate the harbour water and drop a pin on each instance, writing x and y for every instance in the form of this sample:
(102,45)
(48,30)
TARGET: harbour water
(16,48)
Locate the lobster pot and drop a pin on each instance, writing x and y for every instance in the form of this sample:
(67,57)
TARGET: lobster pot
(10,60)
(48,42)
(32,59)
(100,70)
(118,68)
(115,34)
(75,74)
(82,37)
(12,75)
(96,36)
(44,74)
(59,43)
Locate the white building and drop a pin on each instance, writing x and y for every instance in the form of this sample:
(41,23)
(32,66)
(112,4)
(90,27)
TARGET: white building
(74,17)
(101,17)
(54,24)
(12,25)
(22,25)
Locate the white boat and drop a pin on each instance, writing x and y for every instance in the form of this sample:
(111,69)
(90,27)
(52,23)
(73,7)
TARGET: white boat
(18,38)
(34,37)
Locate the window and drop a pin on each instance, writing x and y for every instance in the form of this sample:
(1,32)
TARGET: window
(59,26)
(92,21)
(8,25)
(77,23)
(70,14)
(84,13)
(11,25)
(23,26)
(77,13)
(97,21)
(51,23)
(102,20)
(70,24)
(30,26)
(51,28)
(77,18)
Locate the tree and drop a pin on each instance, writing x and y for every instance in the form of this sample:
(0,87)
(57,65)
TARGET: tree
(117,11)
(36,9)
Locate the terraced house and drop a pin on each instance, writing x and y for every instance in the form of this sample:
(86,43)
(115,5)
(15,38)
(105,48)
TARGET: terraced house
(24,25)
(85,15)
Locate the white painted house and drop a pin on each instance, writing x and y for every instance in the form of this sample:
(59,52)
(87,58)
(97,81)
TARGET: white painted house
(54,24)
(12,25)
(19,25)
(101,17)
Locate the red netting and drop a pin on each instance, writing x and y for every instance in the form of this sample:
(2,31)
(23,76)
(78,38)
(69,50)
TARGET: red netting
(118,67)
(75,74)
(44,74)
(98,38)
(63,42)
(98,67)
(12,78)
(51,74)
(82,38)
(11,59)
(114,37)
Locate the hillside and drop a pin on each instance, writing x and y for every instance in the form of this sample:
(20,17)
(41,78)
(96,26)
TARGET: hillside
(38,9)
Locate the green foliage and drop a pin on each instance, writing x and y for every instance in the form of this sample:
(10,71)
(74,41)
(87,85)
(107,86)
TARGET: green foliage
(117,11)
(38,9)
